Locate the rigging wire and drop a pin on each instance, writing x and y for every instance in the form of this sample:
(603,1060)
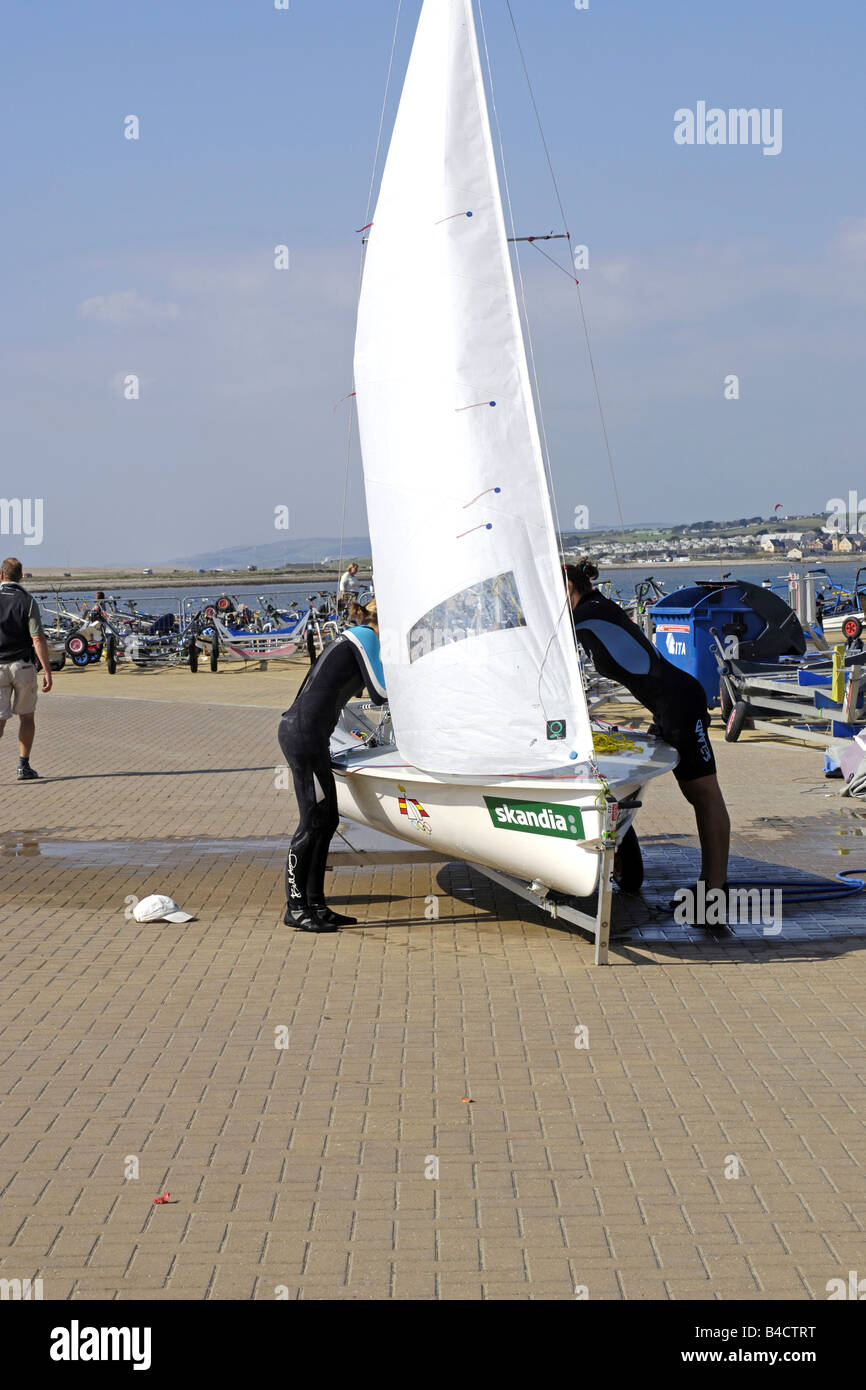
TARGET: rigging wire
(353,409)
(384,110)
(565,609)
(521,284)
(559,200)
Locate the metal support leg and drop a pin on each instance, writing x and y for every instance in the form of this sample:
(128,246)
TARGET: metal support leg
(599,925)
(605,904)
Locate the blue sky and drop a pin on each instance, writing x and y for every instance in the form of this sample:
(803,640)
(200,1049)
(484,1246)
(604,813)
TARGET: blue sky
(258,127)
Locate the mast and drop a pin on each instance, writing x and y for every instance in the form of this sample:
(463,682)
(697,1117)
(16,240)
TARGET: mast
(477,640)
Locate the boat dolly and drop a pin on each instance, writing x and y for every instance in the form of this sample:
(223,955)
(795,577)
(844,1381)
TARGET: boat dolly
(789,698)
(557,906)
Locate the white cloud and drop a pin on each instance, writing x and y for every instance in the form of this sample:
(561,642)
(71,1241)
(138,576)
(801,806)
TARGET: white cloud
(127,306)
(778,299)
(851,239)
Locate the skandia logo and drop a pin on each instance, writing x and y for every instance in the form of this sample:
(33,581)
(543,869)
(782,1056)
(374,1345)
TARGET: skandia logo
(77,1343)
(536,818)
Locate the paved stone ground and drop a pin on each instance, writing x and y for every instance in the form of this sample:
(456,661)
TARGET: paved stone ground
(412,1043)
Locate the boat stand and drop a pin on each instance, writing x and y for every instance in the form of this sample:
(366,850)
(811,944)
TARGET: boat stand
(540,896)
(834,700)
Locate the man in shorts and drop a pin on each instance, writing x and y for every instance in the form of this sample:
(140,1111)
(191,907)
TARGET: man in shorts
(676,700)
(22,639)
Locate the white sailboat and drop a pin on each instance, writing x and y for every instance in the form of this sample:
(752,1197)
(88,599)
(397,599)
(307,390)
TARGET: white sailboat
(490,755)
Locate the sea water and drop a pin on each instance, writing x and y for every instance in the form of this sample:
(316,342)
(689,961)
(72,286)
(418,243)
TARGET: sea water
(623,580)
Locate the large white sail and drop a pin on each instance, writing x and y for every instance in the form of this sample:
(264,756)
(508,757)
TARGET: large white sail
(477,643)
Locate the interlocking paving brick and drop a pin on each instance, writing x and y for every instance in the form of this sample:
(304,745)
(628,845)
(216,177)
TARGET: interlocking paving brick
(304,1170)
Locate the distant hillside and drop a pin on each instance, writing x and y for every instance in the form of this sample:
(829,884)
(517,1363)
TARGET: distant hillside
(276,554)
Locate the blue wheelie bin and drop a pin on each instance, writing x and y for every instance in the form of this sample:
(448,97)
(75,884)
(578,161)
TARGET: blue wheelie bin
(763,625)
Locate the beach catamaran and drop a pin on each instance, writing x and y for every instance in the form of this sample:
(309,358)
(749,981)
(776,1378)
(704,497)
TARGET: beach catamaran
(489,755)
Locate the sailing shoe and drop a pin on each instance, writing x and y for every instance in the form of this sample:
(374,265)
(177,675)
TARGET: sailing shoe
(26,773)
(334,919)
(304,919)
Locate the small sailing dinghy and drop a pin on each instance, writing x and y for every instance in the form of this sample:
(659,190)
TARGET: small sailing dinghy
(488,752)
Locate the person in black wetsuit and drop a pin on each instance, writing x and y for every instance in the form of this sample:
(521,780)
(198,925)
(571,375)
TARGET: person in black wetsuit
(342,671)
(676,700)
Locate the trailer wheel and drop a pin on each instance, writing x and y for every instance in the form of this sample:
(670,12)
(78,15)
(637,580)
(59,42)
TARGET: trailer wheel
(214,652)
(726,702)
(193,657)
(736,720)
(75,645)
(851,628)
(111,653)
(628,863)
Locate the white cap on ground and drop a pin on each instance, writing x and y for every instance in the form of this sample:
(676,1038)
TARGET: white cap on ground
(159,908)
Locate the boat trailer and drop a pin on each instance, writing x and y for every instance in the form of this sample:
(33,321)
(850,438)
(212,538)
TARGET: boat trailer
(817,700)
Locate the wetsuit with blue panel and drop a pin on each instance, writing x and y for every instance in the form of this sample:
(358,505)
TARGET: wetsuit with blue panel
(340,674)
(676,700)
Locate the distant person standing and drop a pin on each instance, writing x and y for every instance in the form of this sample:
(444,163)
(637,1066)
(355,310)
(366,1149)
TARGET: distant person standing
(22,639)
(347,587)
(98,613)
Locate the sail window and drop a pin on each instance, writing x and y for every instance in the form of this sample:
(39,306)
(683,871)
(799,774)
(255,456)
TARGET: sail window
(490,606)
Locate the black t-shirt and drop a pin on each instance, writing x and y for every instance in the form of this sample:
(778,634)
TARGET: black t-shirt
(621,652)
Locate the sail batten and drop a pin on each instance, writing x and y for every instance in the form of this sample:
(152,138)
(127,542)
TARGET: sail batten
(477,646)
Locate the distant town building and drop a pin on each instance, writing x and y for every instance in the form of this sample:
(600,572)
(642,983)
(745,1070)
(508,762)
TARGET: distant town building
(846,545)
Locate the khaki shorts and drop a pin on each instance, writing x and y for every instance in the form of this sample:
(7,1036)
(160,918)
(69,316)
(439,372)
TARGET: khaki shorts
(18,688)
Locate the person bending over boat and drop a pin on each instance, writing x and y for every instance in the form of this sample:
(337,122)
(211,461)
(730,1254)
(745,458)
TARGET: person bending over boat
(340,674)
(676,700)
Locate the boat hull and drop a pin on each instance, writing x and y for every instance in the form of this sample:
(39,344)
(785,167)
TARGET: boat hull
(547,829)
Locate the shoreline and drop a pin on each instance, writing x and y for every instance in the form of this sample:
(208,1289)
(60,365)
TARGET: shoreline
(812,562)
(168,579)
